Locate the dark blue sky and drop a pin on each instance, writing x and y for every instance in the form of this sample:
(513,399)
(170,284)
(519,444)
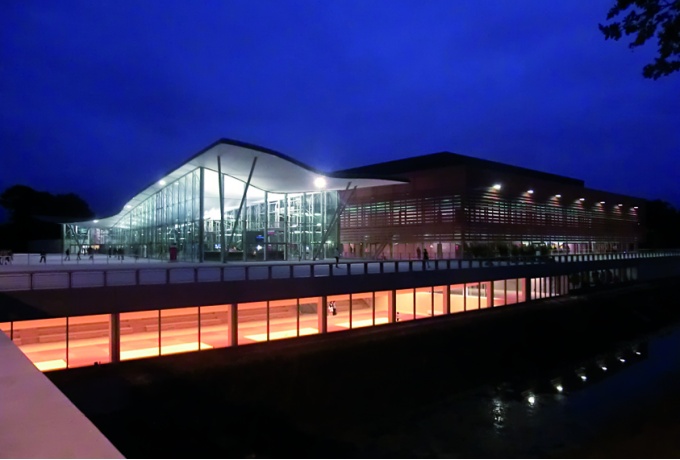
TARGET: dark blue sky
(101,98)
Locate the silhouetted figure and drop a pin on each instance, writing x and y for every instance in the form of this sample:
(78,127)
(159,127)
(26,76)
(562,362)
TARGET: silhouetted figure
(68,254)
(110,251)
(90,253)
(426,259)
(121,253)
(337,257)
(43,257)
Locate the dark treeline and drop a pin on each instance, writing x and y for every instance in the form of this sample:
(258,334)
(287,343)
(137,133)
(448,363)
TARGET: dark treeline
(35,215)
(662,226)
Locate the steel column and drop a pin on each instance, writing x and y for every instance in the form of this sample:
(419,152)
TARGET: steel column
(114,337)
(220,180)
(243,200)
(201,210)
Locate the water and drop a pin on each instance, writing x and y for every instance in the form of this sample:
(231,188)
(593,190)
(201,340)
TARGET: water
(530,417)
(404,398)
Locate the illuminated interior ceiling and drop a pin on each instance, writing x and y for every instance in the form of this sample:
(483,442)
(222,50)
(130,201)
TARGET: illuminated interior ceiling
(274,173)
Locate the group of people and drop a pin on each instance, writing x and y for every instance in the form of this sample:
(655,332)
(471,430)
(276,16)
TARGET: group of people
(425,256)
(119,252)
(67,254)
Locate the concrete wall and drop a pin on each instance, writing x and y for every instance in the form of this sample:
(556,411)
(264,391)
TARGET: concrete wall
(22,305)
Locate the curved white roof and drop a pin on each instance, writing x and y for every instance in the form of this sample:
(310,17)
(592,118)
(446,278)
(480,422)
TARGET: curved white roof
(274,172)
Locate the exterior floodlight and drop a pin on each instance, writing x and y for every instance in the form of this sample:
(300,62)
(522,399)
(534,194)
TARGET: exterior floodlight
(558,196)
(582,199)
(496,186)
(584,378)
(601,202)
(530,191)
(620,204)
(161,182)
(319,182)
(604,368)
(95,221)
(127,206)
(531,399)
(635,207)
(559,388)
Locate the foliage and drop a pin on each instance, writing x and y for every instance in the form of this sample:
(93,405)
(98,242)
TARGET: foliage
(34,215)
(644,19)
(662,225)
(22,202)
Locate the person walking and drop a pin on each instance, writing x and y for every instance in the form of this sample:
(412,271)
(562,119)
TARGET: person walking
(68,254)
(337,257)
(43,258)
(426,259)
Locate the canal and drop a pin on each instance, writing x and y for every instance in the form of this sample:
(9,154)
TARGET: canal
(589,376)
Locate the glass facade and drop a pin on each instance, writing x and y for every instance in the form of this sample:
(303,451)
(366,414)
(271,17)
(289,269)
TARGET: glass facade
(85,340)
(184,221)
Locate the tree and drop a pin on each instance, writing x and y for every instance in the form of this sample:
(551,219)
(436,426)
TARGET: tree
(645,18)
(33,215)
(23,202)
(662,225)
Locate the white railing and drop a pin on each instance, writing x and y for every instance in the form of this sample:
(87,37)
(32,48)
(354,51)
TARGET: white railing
(133,275)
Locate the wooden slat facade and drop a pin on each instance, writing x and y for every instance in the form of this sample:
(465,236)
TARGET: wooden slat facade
(448,207)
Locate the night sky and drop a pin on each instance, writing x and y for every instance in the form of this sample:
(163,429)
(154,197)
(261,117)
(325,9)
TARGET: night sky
(101,98)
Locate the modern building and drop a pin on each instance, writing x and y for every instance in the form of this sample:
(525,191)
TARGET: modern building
(234,201)
(457,205)
(239,202)
(268,206)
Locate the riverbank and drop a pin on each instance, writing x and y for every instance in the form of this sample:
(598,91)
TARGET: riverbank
(356,394)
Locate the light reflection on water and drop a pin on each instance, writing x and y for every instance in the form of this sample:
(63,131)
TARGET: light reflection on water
(498,412)
(546,416)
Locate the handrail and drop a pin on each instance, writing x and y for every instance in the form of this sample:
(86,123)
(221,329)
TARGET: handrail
(159,273)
